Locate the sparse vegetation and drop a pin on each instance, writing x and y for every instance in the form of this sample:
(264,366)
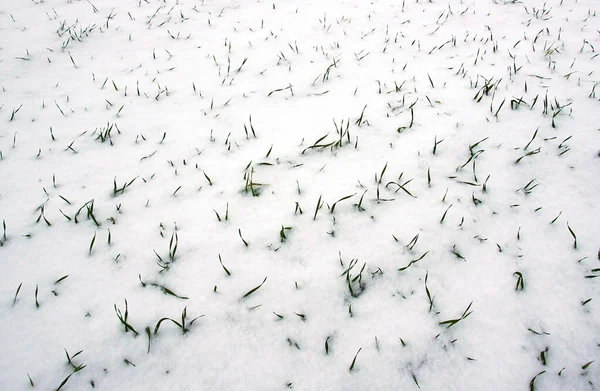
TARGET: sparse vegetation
(441,159)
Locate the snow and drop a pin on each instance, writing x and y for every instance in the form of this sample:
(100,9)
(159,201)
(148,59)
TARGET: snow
(224,144)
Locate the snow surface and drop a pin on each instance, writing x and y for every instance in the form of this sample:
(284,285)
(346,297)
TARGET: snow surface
(192,131)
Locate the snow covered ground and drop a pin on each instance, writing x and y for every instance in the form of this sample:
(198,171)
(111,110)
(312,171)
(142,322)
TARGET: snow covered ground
(319,194)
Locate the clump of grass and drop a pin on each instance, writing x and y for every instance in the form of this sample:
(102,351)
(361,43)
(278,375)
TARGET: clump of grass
(452,322)
(289,87)
(530,153)
(355,284)
(317,145)
(457,254)
(487,87)
(361,119)
(70,358)
(226,217)
(182,325)
(14,113)
(293,343)
(173,246)
(528,188)
(163,288)
(76,368)
(413,262)
(120,190)
(42,216)
(252,187)
(401,186)
(413,242)
(89,206)
(359,205)
(341,199)
(436,143)
(282,235)
(104,134)
(123,319)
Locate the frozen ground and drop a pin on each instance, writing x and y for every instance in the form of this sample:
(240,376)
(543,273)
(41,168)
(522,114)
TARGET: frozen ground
(414,186)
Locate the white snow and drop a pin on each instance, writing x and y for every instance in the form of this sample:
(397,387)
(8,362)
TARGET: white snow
(188,129)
